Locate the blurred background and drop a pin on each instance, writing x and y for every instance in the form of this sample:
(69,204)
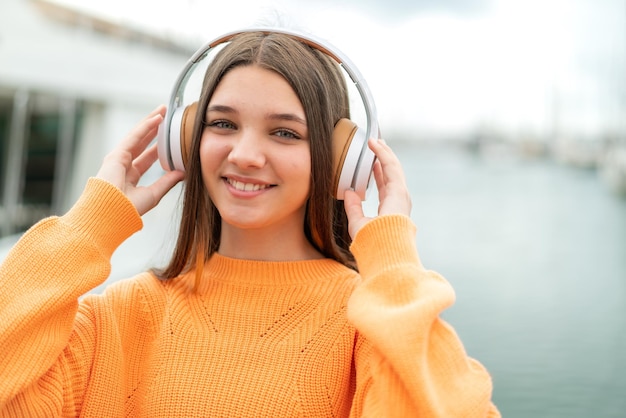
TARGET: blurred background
(509,117)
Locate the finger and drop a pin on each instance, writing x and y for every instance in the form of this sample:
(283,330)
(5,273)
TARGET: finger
(157,190)
(379,178)
(142,134)
(352,204)
(384,153)
(141,164)
(159,110)
(147,197)
(146,159)
(166,182)
(393,192)
(390,164)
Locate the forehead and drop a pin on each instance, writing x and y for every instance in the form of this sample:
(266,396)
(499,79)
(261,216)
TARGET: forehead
(252,86)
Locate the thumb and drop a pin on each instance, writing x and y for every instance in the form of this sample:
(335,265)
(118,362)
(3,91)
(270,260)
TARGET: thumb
(354,211)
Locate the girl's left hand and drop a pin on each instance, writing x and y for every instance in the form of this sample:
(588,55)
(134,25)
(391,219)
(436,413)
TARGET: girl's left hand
(393,194)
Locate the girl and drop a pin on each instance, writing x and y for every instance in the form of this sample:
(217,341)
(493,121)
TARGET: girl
(277,300)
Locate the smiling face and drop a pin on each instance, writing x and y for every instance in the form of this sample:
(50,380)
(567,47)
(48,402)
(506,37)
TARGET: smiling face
(255,152)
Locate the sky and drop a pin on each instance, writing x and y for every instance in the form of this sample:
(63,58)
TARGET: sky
(520,67)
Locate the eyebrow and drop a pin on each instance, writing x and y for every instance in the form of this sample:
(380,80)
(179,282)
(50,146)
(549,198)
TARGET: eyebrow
(221,108)
(287,116)
(272,116)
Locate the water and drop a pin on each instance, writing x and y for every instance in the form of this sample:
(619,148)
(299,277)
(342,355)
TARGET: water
(536,252)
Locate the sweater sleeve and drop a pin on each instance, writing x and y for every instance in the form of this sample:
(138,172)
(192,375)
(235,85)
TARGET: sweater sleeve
(45,355)
(409,361)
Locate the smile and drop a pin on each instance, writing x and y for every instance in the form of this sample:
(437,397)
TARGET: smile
(247,187)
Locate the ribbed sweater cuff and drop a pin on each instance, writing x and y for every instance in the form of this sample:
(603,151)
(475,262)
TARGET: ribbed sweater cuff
(104,214)
(385,242)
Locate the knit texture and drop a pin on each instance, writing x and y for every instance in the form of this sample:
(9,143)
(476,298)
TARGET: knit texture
(255,339)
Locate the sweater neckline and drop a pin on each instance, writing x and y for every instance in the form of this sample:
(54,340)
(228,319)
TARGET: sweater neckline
(272,273)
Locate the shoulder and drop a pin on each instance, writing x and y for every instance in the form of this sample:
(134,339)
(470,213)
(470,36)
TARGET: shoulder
(140,298)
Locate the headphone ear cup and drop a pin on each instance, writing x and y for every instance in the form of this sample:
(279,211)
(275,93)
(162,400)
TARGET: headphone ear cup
(186,132)
(342,136)
(348,145)
(174,139)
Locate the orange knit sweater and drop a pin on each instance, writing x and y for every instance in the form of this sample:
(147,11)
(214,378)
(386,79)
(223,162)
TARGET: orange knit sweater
(257,339)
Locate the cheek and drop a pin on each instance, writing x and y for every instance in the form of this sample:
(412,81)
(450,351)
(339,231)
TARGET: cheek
(301,167)
(211,155)
(205,153)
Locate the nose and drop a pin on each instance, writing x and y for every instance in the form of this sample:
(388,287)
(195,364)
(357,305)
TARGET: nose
(247,150)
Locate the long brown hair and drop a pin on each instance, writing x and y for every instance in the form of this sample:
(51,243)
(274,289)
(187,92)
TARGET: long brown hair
(319,84)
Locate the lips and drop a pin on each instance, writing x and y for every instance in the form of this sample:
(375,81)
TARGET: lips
(247,187)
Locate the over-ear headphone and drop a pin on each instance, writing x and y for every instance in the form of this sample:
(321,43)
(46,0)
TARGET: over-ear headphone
(352,158)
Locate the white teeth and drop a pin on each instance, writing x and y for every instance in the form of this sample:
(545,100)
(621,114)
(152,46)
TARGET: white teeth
(247,187)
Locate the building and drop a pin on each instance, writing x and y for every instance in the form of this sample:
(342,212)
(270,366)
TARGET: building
(71,85)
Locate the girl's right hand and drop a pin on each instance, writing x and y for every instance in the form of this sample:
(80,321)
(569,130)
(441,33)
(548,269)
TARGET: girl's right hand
(124,166)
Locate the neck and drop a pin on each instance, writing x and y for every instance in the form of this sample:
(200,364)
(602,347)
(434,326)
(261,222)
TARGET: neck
(289,244)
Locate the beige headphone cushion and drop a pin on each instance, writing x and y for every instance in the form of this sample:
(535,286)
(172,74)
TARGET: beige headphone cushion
(342,137)
(186,130)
